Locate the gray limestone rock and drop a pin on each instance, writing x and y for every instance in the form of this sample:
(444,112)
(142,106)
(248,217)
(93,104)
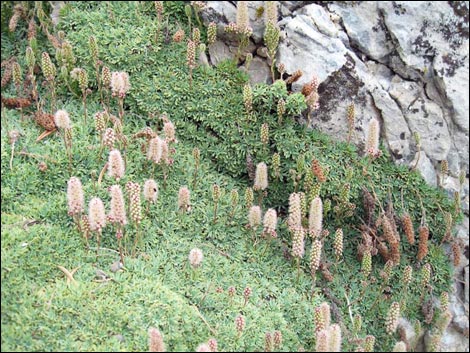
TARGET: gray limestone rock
(426,118)
(365,28)
(306,48)
(404,92)
(425,167)
(396,130)
(259,71)
(321,19)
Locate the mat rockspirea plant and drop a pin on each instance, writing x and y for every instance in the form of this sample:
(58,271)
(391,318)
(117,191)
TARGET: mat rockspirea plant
(339,267)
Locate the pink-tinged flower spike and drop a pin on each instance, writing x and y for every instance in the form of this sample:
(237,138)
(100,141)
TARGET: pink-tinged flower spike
(195,257)
(156,343)
(62,119)
(240,324)
(159,8)
(120,84)
(315,256)
(325,313)
(96,215)
(97,219)
(75,198)
(165,154)
(277,339)
(100,124)
(315,219)
(211,33)
(322,341)
(242,16)
(106,76)
(133,190)
(117,214)
(369,343)
(184,196)
(338,243)
(109,137)
(271,12)
(268,342)
(48,68)
(153,153)
(169,130)
(254,217)
(191,60)
(246,294)
(295,213)
(270,222)
(135,209)
(116,165)
(261,177)
(298,243)
(151,191)
(318,319)
(372,141)
(203,347)
(391,322)
(213,344)
(334,339)
(248,99)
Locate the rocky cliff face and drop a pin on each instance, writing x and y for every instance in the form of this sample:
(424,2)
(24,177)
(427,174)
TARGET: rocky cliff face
(404,63)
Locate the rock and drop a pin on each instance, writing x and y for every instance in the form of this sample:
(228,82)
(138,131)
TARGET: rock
(425,117)
(305,48)
(404,92)
(425,168)
(55,14)
(116,266)
(450,184)
(220,12)
(466,284)
(459,310)
(460,142)
(294,5)
(465,199)
(365,28)
(339,90)
(218,52)
(394,124)
(408,24)
(452,342)
(256,23)
(262,52)
(453,160)
(456,87)
(406,328)
(381,73)
(224,12)
(203,60)
(259,71)
(321,19)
